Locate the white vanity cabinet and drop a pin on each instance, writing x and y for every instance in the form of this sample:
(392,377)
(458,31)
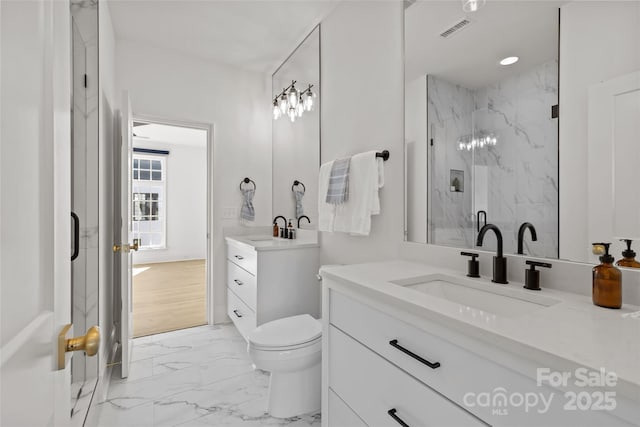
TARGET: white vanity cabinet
(379,369)
(269,280)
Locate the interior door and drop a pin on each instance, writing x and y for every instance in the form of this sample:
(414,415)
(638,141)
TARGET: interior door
(35,224)
(126,277)
(614,156)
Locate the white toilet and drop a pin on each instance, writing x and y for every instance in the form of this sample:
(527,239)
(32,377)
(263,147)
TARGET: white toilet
(290,349)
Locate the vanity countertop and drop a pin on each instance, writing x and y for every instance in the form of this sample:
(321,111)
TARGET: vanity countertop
(573,330)
(268,243)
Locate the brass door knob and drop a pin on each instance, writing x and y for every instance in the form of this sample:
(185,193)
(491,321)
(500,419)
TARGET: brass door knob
(90,342)
(116,248)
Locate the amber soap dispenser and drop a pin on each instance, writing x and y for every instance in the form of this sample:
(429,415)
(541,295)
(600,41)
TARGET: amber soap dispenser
(628,257)
(607,279)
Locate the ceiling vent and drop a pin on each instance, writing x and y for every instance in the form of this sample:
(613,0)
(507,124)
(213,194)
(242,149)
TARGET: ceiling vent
(455,28)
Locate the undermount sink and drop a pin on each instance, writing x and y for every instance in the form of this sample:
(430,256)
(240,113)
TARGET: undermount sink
(259,238)
(475,296)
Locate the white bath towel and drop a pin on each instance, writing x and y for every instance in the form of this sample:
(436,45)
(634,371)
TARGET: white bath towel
(326,211)
(366,177)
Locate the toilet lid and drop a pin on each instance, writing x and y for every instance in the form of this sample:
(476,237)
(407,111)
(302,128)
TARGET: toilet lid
(289,331)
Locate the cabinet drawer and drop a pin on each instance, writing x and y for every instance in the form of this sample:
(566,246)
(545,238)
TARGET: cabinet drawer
(241,315)
(373,387)
(340,415)
(242,283)
(243,256)
(461,372)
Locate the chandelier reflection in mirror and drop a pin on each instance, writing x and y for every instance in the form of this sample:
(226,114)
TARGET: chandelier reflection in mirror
(479,140)
(292,102)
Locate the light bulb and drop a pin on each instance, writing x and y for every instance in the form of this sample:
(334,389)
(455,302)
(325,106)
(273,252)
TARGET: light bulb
(292,114)
(283,103)
(308,100)
(472,5)
(299,109)
(293,96)
(276,112)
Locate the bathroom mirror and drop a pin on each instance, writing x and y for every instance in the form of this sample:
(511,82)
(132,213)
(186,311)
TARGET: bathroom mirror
(296,143)
(481,124)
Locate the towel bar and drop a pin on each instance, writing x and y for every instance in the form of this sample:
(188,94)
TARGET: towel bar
(246,181)
(384,155)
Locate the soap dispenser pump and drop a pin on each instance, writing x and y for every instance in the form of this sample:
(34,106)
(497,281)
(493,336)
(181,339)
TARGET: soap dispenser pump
(629,256)
(607,279)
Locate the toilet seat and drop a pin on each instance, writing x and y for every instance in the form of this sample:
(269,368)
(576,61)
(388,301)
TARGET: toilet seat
(289,333)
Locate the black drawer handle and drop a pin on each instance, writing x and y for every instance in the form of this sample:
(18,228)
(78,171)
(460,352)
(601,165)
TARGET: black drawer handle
(238,282)
(392,414)
(432,365)
(236,313)
(239,257)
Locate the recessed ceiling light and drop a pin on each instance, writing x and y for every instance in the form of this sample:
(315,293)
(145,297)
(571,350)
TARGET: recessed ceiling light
(509,60)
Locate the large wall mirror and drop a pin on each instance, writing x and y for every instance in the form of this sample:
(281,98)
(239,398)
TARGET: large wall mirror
(504,124)
(296,134)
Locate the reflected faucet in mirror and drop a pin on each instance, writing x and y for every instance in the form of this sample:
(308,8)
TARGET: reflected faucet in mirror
(284,221)
(523,228)
(499,261)
(301,217)
(484,218)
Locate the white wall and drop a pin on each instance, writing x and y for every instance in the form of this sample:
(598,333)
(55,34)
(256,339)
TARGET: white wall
(107,144)
(168,84)
(186,203)
(362,54)
(598,41)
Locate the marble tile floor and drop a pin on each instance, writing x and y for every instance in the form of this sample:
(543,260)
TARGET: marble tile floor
(193,377)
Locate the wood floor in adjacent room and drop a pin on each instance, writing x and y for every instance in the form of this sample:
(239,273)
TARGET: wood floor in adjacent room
(168,296)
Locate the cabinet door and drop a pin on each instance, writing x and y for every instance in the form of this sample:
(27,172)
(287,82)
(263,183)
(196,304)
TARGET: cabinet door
(383,395)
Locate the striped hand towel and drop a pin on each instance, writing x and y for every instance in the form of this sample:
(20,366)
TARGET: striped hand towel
(338,191)
(247,212)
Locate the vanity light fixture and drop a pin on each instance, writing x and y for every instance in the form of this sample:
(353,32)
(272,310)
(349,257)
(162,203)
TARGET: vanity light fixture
(472,5)
(293,103)
(509,60)
(481,140)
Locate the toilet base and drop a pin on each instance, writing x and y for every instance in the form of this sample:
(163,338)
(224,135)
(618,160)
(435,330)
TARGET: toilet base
(294,393)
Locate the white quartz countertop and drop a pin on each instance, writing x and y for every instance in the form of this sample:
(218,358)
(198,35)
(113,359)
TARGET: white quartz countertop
(268,243)
(573,330)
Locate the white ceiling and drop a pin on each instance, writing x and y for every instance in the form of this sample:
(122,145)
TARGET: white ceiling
(149,133)
(253,34)
(528,29)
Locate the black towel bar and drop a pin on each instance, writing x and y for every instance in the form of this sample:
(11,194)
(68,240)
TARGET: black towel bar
(384,155)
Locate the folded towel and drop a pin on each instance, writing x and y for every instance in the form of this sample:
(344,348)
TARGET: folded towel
(366,178)
(326,211)
(338,191)
(247,212)
(299,194)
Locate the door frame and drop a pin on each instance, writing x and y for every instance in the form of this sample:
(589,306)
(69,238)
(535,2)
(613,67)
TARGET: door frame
(209,127)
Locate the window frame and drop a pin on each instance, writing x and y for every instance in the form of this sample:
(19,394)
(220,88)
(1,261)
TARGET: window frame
(162,201)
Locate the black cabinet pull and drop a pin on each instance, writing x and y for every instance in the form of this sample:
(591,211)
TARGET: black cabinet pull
(238,282)
(432,365)
(239,257)
(236,313)
(76,236)
(392,414)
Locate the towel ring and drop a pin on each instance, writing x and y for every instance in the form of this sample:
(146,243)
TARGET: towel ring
(246,181)
(296,182)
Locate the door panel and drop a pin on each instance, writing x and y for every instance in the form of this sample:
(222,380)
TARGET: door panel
(123,186)
(35,183)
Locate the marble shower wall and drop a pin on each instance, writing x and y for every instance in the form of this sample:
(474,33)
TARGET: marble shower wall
(449,116)
(515,181)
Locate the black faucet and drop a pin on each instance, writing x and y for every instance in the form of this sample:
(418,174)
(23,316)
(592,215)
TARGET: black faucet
(523,228)
(303,216)
(275,220)
(499,261)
